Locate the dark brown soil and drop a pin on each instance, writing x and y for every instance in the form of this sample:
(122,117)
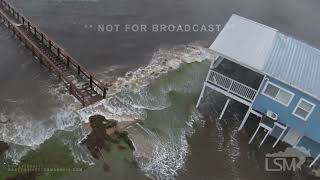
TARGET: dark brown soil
(121,147)
(25,176)
(98,139)
(106,167)
(125,137)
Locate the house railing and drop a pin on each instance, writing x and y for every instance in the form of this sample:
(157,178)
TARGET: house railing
(232,86)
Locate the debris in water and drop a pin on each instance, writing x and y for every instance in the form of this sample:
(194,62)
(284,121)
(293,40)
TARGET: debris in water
(98,139)
(106,167)
(125,137)
(28,176)
(3,148)
(106,132)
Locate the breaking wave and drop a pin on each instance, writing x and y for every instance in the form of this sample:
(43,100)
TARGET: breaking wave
(129,98)
(22,128)
(168,153)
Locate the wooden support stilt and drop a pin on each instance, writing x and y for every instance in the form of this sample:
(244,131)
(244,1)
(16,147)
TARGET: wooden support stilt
(70,89)
(19,37)
(40,59)
(224,109)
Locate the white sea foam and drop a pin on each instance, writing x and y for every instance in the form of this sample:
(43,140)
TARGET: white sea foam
(22,129)
(16,152)
(220,136)
(127,99)
(112,108)
(25,129)
(230,143)
(168,153)
(166,158)
(72,140)
(127,94)
(163,61)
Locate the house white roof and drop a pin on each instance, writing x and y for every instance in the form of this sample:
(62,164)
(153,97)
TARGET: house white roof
(268,51)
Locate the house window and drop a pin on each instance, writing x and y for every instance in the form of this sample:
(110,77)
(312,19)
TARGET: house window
(278,94)
(304,109)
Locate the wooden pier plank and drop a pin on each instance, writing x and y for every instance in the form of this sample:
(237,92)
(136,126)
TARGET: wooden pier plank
(80,82)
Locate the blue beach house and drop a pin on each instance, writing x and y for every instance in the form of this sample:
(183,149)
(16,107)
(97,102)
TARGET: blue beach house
(275,76)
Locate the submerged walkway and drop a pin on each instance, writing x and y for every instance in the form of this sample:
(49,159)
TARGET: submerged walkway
(81,83)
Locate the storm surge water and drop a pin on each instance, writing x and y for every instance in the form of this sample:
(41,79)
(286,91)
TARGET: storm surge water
(163,94)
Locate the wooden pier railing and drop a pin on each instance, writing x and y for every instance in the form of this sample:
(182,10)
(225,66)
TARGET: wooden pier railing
(80,82)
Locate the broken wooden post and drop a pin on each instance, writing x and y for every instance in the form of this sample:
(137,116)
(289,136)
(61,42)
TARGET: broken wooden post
(104,92)
(91,81)
(79,70)
(42,38)
(68,61)
(58,51)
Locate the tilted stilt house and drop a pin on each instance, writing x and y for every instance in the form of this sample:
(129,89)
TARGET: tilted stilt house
(275,75)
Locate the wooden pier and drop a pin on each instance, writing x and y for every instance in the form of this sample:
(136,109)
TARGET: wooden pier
(80,82)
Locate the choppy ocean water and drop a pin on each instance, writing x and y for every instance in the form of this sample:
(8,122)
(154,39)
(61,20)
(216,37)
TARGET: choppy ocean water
(161,86)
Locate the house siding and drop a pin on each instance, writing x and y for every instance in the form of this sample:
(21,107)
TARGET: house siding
(312,147)
(309,128)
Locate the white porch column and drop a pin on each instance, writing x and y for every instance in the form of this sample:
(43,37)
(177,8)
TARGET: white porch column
(245,118)
(265,137)
(282,133)
(315,160)
(224,109)
(204,85)
(255,133)
(201,95)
